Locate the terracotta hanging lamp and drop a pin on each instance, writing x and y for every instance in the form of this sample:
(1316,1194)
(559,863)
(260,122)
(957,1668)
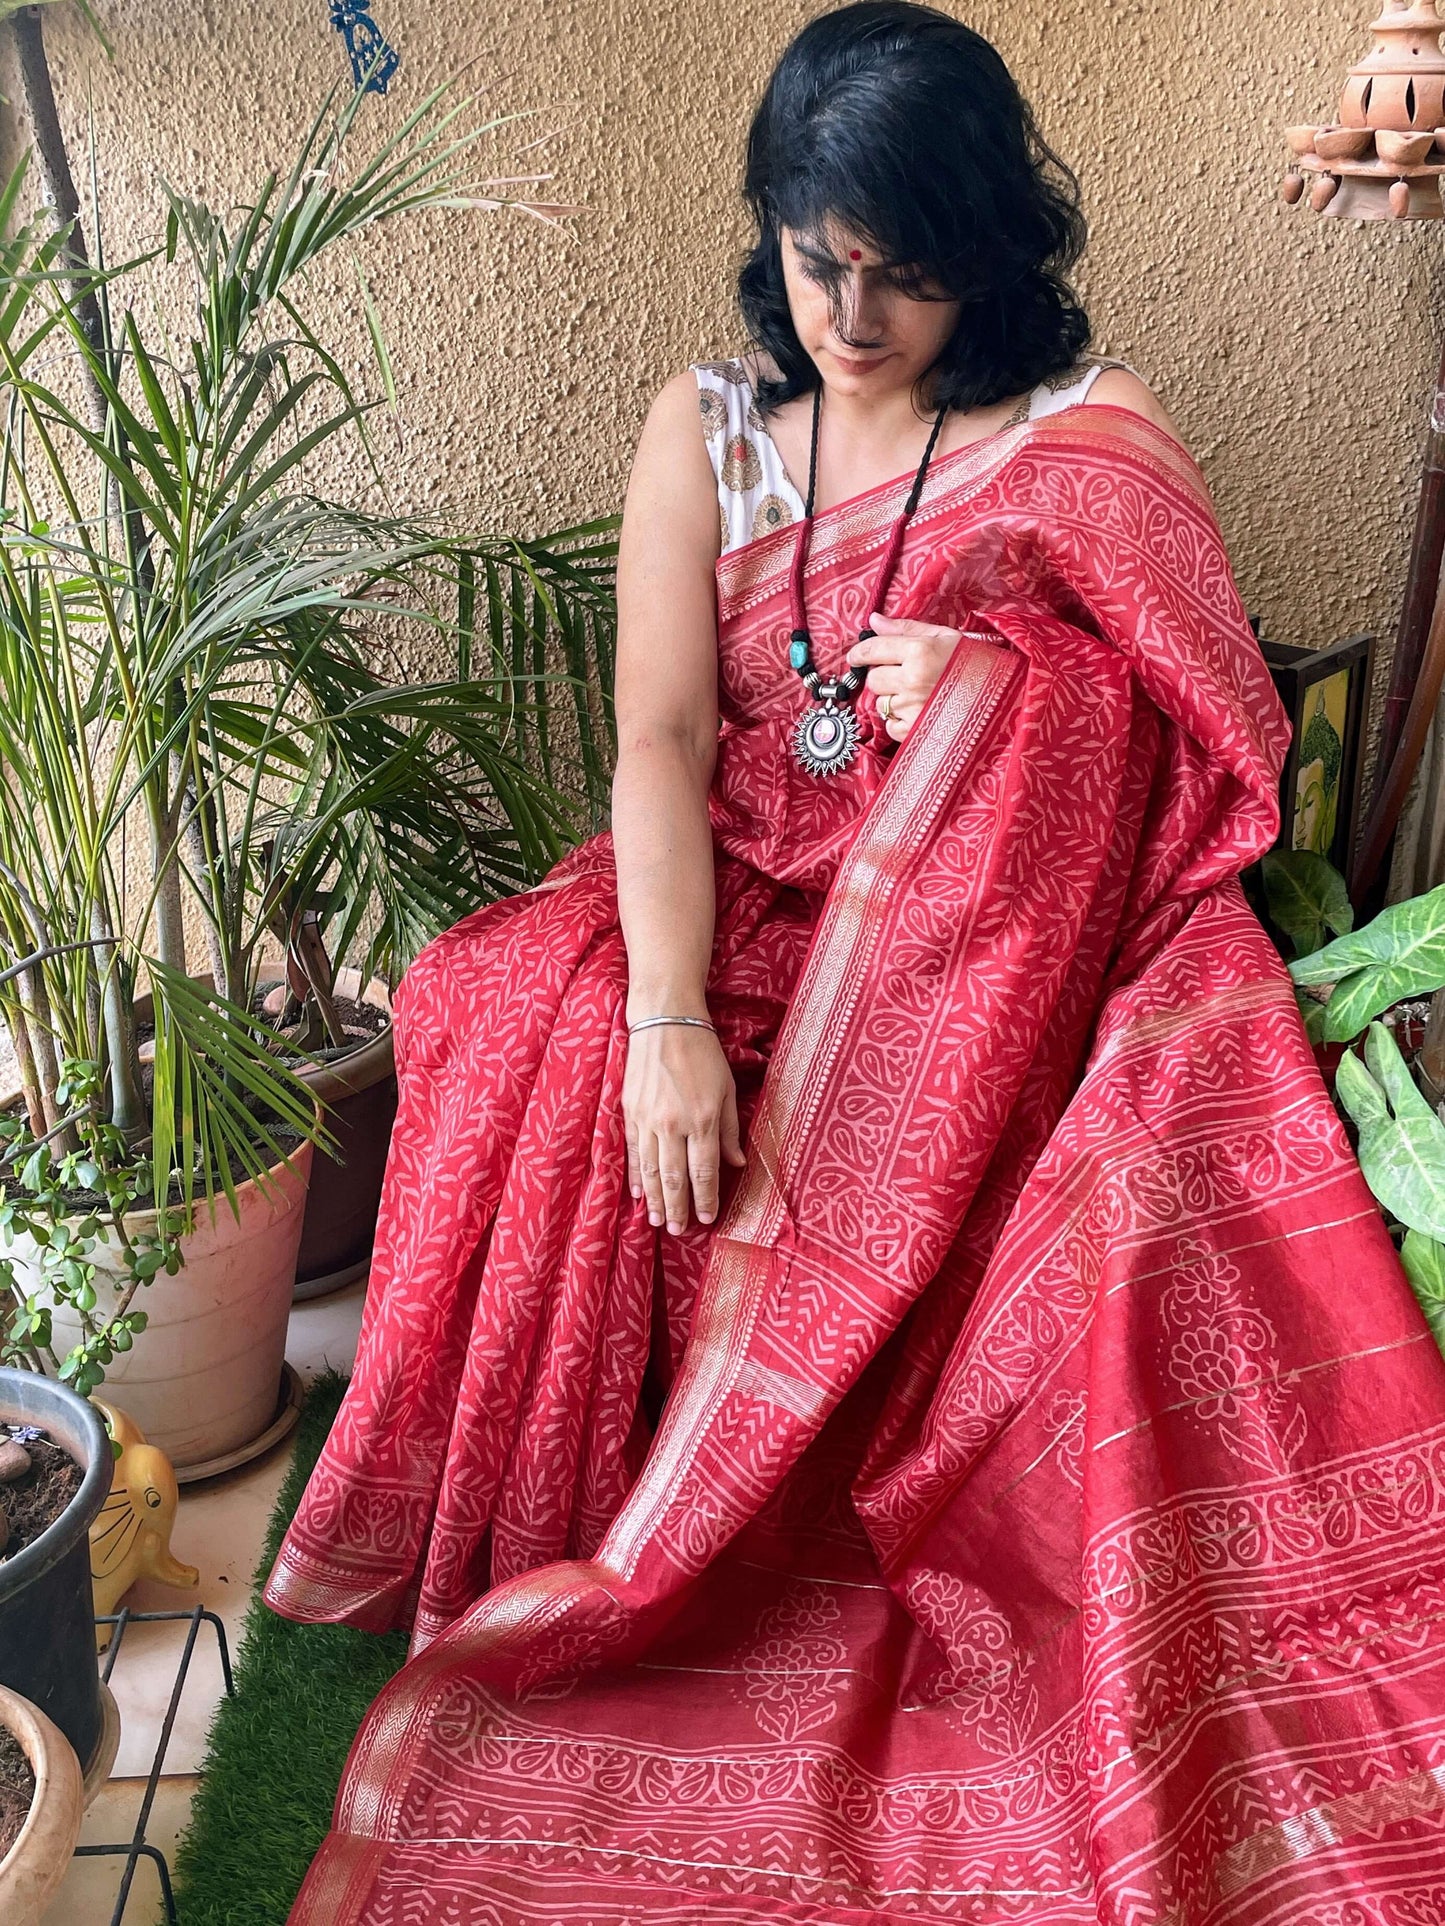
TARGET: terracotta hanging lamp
(1384,159)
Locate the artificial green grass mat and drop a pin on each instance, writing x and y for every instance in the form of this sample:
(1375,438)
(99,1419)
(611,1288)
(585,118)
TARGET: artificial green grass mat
(276,1749)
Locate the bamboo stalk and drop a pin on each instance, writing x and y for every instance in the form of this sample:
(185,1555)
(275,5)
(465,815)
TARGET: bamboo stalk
(58,186)
(35,1014)
(19,1034)
(34,1003)
(311,954)
(196,850)
(1427,550)
(166,876)
(128,1111)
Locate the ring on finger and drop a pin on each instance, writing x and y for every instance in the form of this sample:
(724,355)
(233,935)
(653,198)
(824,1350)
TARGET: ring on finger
(885,708)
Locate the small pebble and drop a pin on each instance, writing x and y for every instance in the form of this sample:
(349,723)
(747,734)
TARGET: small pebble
(14,1461)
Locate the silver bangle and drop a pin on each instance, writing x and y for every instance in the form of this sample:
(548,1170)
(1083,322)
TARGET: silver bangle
(646,1023)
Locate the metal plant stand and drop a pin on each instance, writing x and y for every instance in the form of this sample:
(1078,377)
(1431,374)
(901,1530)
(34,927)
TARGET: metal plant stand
(137,1847)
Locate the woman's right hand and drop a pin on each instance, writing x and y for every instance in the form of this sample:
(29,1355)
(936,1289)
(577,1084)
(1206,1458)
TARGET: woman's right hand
(680,1114)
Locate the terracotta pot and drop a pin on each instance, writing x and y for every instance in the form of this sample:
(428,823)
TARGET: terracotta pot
(1342,143)
(1301,140)
(358,1092)
(1402,150)
(37,1862)
(47,1613)
(202,1379)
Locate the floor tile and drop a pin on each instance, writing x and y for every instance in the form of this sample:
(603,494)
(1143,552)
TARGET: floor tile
(219,1528)
(87,1895)
(322,1334)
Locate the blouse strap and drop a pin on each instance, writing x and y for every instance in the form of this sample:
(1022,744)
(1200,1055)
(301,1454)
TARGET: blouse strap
(1068,389)
(755,495)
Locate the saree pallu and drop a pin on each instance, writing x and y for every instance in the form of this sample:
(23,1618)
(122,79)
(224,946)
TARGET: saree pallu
(1046,1519)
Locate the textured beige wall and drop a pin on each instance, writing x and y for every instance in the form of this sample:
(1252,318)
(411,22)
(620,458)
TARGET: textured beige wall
(1296,353)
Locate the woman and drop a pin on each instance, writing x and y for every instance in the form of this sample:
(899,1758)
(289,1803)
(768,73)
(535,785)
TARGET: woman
(1043,1519)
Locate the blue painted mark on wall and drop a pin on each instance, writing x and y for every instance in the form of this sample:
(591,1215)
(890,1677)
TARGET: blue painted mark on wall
(373,59)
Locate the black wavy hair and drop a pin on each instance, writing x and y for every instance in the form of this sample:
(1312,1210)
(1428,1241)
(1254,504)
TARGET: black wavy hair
(905,126)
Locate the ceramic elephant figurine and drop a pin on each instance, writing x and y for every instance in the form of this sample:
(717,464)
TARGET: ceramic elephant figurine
(131,1537)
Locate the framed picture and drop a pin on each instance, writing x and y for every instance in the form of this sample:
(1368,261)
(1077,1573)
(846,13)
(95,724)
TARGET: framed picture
(1326,694)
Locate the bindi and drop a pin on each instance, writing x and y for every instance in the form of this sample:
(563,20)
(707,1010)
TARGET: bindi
(855,254)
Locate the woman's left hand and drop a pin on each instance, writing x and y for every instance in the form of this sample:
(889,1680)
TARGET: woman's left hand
(905,660)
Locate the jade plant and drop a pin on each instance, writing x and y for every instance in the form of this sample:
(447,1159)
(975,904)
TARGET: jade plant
(40,1206)
(203,725)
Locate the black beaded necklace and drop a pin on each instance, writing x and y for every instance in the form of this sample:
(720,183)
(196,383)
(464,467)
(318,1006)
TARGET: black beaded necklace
(826,735)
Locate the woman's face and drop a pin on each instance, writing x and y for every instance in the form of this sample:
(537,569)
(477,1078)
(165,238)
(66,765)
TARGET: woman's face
(866,333)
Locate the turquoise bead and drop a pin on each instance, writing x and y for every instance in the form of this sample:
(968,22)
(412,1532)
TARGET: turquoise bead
(798,654)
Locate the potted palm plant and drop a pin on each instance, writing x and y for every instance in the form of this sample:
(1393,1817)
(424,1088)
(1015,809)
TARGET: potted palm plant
(198,733)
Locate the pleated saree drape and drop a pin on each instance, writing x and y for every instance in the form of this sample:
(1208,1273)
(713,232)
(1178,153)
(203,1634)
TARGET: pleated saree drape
(1045,1517)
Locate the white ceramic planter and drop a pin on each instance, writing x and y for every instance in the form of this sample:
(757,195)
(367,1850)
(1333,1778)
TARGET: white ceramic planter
(37,1862)
(202,1379)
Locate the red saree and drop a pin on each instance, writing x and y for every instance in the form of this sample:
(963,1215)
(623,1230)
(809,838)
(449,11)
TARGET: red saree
(1047,1516)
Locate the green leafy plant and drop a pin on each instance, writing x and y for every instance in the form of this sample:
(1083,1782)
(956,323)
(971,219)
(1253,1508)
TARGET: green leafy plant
(1402,1141)
(1302,897)
(201,716)
(1305,897)
(1402,1155)
(40,1214)
(1394,1105)
(1424,1261)
(1400,954)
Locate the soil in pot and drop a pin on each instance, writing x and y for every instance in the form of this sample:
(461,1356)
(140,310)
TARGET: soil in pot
(47,1601)
(32,1502)
(17,1789)
(360,1022)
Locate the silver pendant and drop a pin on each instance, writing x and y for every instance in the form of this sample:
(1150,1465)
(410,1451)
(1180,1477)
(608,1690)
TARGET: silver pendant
(825,739)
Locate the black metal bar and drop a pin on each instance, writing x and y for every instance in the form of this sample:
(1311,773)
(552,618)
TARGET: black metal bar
(143,1851)
(223,1646)
(125,1617)
(120,1620)
(138,1847)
